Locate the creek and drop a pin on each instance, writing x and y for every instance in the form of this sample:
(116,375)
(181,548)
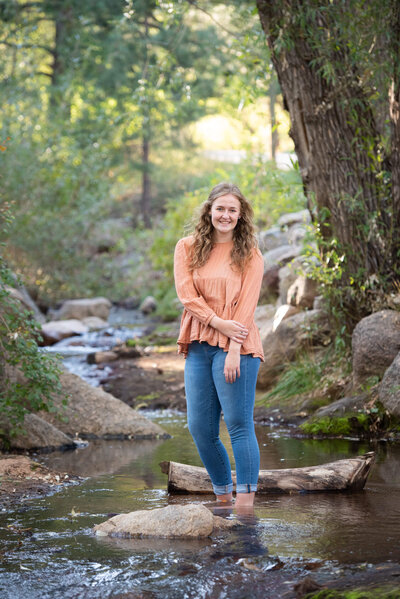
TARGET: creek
(49,550)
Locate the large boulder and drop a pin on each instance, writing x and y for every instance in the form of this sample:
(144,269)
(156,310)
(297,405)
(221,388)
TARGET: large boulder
(389,389)
(82,308)
(283,312)
(302,292)
(56,330)
(271,239)
(375,343)
(280,256)
(294,218)
(174,521)
(293,334)
(93,413)
(39,434)
(270,283)
(22,296)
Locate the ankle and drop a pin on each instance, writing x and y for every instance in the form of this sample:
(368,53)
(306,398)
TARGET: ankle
(224,498)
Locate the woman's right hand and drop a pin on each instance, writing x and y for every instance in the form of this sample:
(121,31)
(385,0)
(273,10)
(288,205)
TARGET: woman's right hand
(230,328)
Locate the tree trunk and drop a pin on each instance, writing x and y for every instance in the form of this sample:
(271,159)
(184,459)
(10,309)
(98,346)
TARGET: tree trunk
(274,132)
(62,29)
(343,475)
(146,194)
(336,141)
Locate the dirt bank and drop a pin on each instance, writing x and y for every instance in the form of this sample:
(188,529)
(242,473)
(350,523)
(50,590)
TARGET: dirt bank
(21,478)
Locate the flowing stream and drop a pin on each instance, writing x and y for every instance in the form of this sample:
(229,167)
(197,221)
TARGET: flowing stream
(327,535)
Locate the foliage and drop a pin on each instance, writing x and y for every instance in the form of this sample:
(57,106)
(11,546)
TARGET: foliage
(38,373)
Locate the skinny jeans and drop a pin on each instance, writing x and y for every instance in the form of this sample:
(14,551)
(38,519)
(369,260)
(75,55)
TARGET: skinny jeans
(207,395)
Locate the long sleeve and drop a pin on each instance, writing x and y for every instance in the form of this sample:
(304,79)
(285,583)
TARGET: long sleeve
(194,303)
(250,290)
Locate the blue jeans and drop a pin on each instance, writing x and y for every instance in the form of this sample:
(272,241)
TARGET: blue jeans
(207,394)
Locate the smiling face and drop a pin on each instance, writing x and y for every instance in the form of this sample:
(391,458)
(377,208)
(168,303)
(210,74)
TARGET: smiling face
(225,213)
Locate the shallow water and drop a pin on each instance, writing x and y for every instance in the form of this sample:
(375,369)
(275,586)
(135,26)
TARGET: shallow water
(335,533)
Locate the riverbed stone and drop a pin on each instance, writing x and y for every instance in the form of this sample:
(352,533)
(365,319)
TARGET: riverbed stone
(300,331)
(56,330)
(94,323)
(39,434)
(343,406)
(173,521)
(375,343)
(82,308)
(389,389)
(148,305)
(93,413)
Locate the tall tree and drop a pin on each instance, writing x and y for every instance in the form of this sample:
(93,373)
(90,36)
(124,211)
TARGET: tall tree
(336,63)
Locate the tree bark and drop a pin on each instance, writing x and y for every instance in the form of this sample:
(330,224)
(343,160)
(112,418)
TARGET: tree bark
(343,475)
(336,140)
(272,112)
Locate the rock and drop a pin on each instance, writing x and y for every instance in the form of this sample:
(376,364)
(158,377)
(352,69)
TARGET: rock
(389,389)
(99,357)
(264,313)
(93,413)
(40,434)
(280,256)
(82,308)
(302,292)
(296,234)
(284,311)
(270,283)
(174,521)
(301,330)
(94,323)
(130,303)
(375,343)
(129,351)
(287,220)
(319,303)
(343,406)
(287,276)
(22,296)
(55,330)
(271,239)
(148,305)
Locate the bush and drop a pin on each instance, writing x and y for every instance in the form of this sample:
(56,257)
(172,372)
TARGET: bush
(28,377)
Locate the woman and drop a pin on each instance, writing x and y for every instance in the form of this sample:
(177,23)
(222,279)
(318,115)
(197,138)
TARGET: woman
(218,274)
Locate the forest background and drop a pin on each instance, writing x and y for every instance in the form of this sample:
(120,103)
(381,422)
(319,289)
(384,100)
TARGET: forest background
(113,114)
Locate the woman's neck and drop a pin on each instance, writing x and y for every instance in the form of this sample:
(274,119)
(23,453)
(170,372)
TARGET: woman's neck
(221,237)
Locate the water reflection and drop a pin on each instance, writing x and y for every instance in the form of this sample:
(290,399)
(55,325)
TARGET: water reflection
(124,476)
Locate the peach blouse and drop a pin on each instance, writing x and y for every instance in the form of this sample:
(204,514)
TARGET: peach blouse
(216,289)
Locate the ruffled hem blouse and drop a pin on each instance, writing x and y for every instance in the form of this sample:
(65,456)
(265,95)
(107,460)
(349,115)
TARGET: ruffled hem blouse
(217,289)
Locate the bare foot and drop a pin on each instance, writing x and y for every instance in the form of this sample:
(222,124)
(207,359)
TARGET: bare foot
(244,504)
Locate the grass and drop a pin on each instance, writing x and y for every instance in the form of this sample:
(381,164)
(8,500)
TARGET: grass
(316,377)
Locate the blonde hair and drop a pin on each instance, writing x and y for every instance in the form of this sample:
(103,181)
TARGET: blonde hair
(244,239)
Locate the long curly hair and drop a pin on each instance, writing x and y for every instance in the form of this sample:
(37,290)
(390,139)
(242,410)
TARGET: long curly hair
(244,239)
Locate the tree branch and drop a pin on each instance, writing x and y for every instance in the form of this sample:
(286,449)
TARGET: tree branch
(19,46)
(195,5)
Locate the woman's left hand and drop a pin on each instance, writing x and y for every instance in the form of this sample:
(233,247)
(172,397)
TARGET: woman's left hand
(232,366)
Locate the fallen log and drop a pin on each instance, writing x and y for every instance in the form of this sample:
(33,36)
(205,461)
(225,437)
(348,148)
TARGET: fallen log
(349,474)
